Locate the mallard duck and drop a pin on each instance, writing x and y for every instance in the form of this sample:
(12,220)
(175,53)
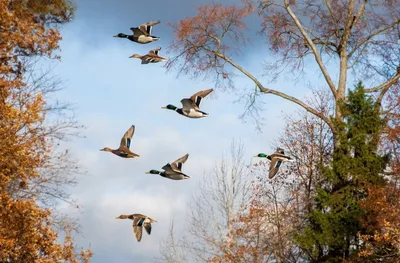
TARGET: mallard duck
(151,57)
(142,33)
(191,105)
(123,150)
(174,170)
(277,158)
(139,221)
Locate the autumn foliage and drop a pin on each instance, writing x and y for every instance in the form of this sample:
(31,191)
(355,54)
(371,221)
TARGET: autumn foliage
(28,29)
(382,225)
(217,21)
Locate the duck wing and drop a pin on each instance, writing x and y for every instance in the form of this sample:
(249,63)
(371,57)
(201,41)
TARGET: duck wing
(137,230)
(188,105)
(146,27)
(137,31)
(138,227)
(280,150)
(198,96)
(281,156)
(274,167)
(167,168)
(154,51)
(147,226)
(177,164)
(126,139)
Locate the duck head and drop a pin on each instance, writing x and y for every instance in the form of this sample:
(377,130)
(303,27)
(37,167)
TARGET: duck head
(121,35)
(261,155)
(153,172)
(170,107)
(135,56)
(106,149)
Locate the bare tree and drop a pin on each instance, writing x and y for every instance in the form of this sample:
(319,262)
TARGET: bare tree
(210,225)
(350,36)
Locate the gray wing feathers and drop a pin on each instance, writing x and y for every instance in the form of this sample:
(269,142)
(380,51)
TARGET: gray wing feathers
(147,226)
(146,27)
(187,105)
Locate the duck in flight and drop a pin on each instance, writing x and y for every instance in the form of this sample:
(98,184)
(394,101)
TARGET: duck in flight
(173,170)
(151,57)
(124,147)
(277,158)
(139,221)
(191,106)
(142,33)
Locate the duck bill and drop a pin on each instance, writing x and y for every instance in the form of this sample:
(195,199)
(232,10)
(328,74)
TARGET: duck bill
(164,107)
(147,172)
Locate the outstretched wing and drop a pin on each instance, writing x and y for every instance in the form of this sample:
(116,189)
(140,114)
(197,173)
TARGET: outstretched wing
(146,27)
(138,227)
(154,51)
(137,230)
(198,96)
(177,164)
(147,226)
(274,167)
(137,31)
(126,139)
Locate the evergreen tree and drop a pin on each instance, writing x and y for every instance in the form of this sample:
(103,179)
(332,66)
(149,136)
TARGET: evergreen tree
(332,228)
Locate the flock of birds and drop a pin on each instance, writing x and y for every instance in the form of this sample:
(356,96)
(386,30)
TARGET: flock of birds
(191,109)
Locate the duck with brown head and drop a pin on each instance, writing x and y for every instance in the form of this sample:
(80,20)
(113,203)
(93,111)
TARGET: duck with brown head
(124,147)
(151,57)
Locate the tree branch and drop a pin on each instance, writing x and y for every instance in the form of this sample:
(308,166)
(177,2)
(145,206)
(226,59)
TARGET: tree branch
(383,92)
(328,5)
(360,12)
(317,56)
(275,92)
(373,34)
(387,84)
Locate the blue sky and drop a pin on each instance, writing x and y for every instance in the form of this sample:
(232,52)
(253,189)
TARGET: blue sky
(110,92)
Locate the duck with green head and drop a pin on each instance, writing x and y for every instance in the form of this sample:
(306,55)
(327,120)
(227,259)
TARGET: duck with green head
(124,147)
(277,158)
(191,106)
(139,221)
(173,170)
(141,34)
